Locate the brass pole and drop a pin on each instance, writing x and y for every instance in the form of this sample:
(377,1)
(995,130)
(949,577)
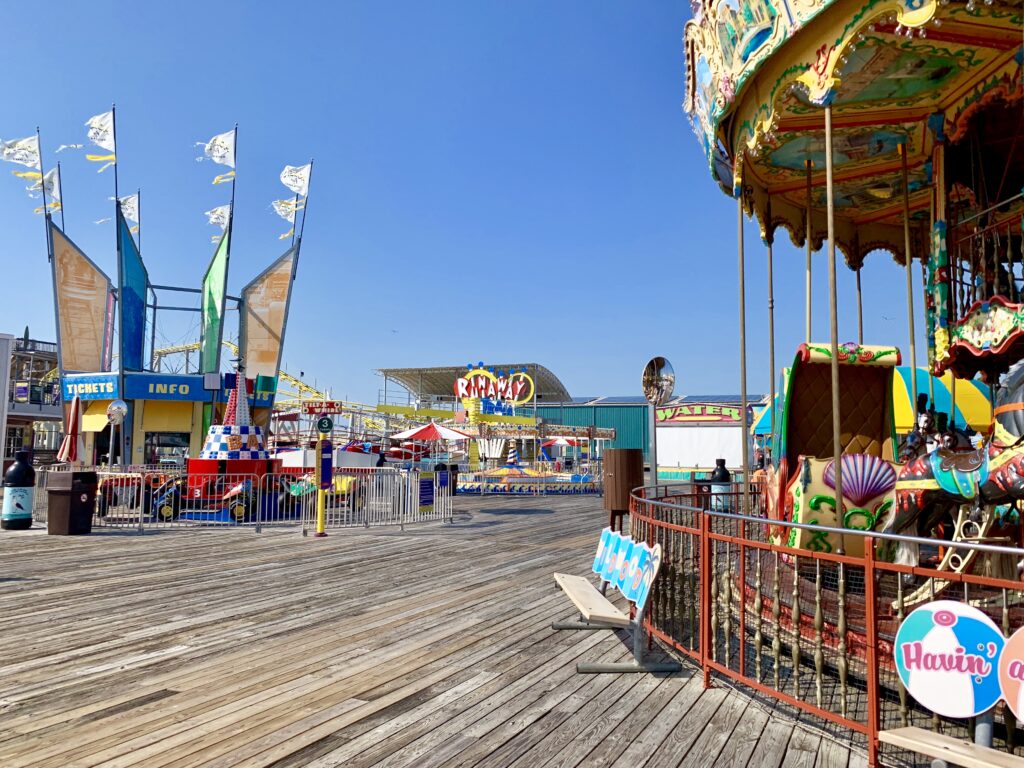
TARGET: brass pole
(771,321)
(837,448)
(910,280)
(743,346)
(808,238)
(860,312)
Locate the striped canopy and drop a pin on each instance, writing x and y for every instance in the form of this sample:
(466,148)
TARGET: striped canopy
(972,403)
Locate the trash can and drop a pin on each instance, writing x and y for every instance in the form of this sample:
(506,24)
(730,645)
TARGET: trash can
(71,498)
(623,471)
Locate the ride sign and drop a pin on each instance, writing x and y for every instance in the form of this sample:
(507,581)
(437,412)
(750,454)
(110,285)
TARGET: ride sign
(324,424)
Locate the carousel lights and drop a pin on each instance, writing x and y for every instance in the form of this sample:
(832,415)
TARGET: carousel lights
(970,6)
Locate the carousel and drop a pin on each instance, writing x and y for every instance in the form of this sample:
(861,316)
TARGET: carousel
(867,127)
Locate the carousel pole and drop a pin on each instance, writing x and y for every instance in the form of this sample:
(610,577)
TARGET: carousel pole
(745,463)
(769,239)
(860,311)
(807,237)
(910,278)
(837,448)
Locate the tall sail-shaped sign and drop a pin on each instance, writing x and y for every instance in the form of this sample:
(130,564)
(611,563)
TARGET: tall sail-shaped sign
(265,315)
(215,284)
(134,287)
(82,293)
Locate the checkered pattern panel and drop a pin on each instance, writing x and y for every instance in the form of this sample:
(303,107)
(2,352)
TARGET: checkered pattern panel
(231,441)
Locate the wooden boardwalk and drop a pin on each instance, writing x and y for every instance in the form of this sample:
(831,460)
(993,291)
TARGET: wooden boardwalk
(429,647)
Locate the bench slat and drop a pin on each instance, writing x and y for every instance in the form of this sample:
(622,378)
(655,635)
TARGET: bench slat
(954,751)
(592,605)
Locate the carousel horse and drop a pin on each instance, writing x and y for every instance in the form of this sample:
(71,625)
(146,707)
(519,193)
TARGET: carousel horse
(964,486)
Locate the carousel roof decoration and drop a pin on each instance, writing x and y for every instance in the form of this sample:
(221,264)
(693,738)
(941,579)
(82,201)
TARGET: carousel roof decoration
(896,73)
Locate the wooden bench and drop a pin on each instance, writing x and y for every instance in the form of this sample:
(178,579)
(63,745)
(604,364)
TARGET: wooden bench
(631,567)
(953,751)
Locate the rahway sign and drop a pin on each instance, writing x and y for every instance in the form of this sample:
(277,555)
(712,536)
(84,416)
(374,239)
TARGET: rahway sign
(316,407)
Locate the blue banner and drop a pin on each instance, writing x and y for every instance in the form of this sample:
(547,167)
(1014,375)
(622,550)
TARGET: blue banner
(90,386)
(156,386)
(134,286)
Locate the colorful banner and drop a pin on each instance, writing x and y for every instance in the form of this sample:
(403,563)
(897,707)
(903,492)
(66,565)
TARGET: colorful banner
(265,303)
(82,293)
(134,287)
(215,285)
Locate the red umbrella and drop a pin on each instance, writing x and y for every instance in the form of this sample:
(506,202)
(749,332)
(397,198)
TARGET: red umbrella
(69,446)
(431,433)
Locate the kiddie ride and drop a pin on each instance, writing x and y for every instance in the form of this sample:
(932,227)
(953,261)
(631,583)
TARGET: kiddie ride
(234,480)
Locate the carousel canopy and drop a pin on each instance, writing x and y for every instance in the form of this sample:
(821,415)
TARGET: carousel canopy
(919,73)
(440,382)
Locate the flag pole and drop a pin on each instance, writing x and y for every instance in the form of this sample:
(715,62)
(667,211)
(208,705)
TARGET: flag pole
(113,127)
(42,181)
(60,191)
(305,205)
(295,215)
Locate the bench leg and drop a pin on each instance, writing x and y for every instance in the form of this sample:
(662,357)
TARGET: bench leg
(637,664)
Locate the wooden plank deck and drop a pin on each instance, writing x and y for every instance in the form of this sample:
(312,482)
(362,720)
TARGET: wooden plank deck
(429,647)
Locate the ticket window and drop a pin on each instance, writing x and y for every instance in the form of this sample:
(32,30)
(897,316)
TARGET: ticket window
(166,447)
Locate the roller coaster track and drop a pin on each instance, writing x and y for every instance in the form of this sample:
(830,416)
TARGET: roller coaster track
(289,397)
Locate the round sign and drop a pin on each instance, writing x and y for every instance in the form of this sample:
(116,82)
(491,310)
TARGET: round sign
(947,655)
(658,381)
(324,424)
(1011,672)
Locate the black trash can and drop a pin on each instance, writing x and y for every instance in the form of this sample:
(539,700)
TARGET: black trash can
(71,499)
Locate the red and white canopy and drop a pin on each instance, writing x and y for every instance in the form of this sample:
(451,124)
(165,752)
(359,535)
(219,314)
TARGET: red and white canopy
(560,441)
(431,433)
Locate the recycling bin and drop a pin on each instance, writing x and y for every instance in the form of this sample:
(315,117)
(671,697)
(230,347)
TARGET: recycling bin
(71,498)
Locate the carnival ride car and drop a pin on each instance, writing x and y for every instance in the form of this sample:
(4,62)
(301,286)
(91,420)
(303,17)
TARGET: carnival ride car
(800,482)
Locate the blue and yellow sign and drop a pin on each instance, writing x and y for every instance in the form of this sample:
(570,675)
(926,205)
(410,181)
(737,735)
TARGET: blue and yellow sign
(156,386)
(90,386)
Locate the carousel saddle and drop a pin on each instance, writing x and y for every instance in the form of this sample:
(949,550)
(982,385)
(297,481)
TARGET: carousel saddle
(960,473)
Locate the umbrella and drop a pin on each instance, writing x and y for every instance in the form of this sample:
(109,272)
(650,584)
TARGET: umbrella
(431,433)
(560,441)
(69,448)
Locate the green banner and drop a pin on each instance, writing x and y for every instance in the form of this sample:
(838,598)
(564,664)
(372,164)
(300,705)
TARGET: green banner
(215,284)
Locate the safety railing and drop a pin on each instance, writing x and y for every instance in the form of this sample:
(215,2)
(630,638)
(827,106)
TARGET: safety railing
(811,629)
(155,500)
(527,481)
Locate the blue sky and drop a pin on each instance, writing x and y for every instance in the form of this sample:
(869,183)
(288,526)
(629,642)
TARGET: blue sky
(493,181)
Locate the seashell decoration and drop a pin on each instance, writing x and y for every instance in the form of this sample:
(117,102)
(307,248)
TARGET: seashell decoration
(864,477)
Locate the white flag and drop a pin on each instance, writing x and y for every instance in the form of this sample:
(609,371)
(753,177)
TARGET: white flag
(50,183)
(21,151)
(221,149)
(130,207)
(62,147)
(296,178)
(219,216)
(286,209)
(101,130)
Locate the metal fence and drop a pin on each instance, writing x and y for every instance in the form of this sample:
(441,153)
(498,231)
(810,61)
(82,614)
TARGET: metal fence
(528,481)
(145,498)
(811,629)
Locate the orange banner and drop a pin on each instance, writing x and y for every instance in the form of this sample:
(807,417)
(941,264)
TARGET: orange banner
(82,294)
(264,316)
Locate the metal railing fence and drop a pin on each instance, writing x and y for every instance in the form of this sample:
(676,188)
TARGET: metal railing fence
(811,629)
(142,498)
